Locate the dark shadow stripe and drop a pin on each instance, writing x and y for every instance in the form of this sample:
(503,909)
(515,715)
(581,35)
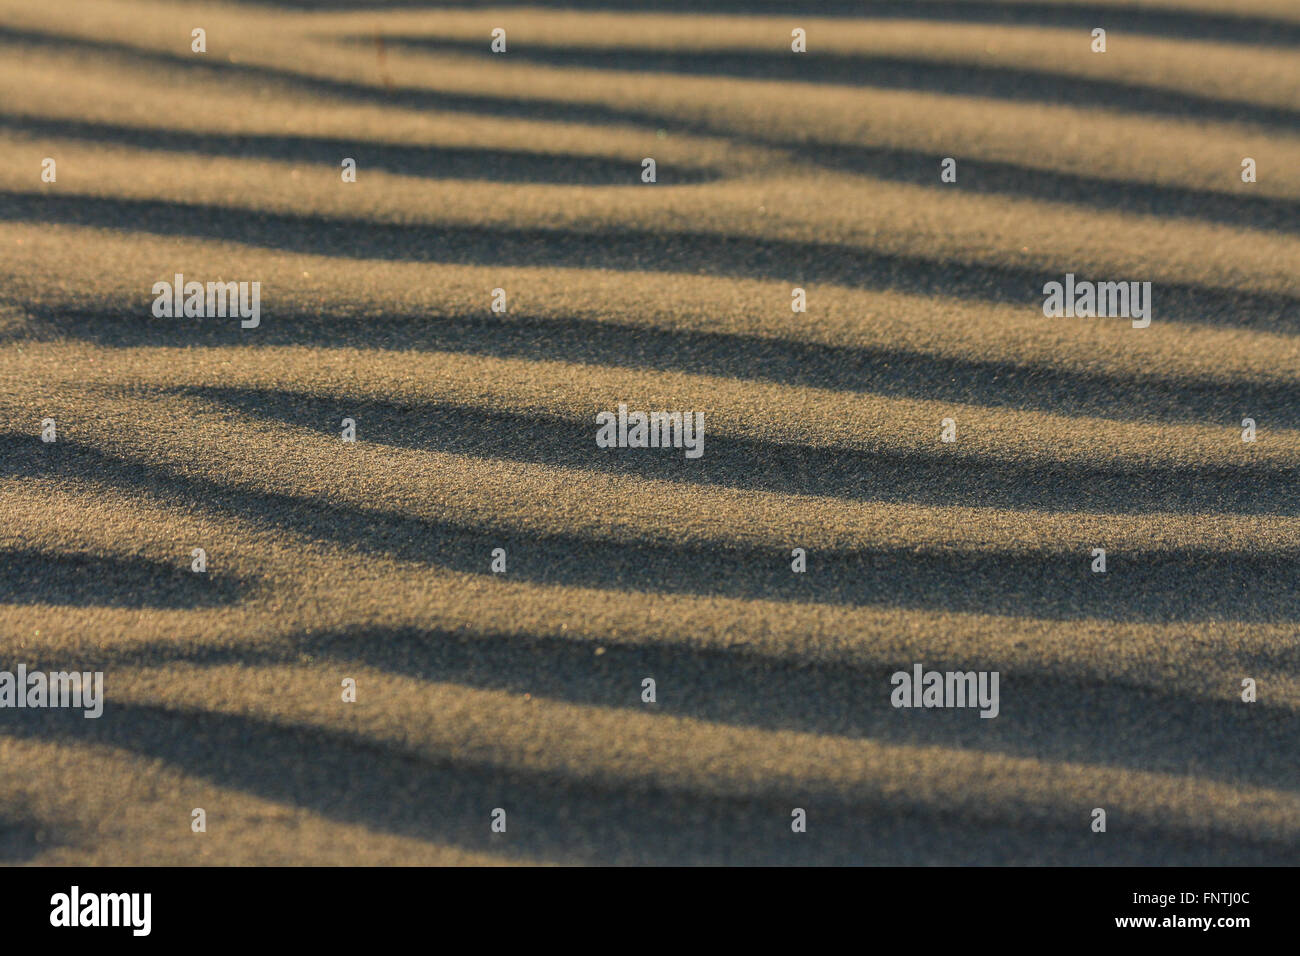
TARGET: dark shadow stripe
(1171,585)
(29,576)
(1117,19)
(882,72)
(24,836)
(584,817)
(1244,210)
(431,161)
(893,372)
(1044,715)
(943,479)
(623,249)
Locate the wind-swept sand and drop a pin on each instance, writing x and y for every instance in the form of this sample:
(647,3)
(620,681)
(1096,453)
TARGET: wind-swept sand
(475,431)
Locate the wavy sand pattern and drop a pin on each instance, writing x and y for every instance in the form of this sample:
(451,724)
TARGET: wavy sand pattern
(476,431)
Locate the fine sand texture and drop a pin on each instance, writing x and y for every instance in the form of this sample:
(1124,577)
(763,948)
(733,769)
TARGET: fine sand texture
(522,691)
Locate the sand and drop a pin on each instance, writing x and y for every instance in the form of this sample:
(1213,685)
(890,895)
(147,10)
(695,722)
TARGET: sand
(523,690)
